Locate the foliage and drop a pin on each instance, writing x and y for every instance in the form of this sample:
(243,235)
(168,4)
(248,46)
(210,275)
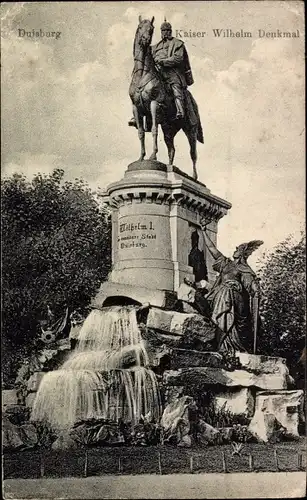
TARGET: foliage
(241,434)
(222,417)
(237,449)
(282,309)
(230,361)
(105,432)
(56,251)
(45,434)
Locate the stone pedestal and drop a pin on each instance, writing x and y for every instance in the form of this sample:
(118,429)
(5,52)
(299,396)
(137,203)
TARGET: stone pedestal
(155,209)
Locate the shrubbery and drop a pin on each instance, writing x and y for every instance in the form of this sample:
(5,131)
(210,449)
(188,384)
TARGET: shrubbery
(56,242)
(282,309)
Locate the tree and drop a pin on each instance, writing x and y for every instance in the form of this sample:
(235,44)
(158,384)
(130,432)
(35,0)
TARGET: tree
(283,283)
(56,242)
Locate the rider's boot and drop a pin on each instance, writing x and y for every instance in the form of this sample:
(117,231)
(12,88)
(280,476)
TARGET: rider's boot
(132,122)
(179,108)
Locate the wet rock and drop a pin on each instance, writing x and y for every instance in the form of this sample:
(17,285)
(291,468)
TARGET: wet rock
(11,439)
(175,421)
(28,435)
(206,433)
(237,401)
(171,358)
(284,406)
(64,442)
(184,358)
(173,393)
(160,356)
(207,376)
(128,358)
(194,330)
(34,381)
(156,339)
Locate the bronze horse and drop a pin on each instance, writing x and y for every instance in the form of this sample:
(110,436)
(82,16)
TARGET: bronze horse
(153,103)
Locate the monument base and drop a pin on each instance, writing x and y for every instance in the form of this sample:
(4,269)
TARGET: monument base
(155,210)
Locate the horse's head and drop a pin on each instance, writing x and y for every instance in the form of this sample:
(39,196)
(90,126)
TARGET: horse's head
(144,32)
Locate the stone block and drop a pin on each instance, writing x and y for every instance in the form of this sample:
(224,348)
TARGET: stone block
(188,308)
(156,339)
(111,293)
(262,364)
(283,405)
(194,329)
(185,358)
(175,421)
(207,433)
(186,293)
(34,381)
(207,376)
(9,397)
(237,401)
(264,428)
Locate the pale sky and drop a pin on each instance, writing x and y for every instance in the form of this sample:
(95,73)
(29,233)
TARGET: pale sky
(65,102)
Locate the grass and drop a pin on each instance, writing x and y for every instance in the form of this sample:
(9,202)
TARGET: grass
(153,460)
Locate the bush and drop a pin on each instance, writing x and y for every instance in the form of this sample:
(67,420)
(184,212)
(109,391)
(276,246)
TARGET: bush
(282,309)
(56,251)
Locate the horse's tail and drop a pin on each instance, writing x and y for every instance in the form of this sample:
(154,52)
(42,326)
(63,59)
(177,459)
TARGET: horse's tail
(200,134)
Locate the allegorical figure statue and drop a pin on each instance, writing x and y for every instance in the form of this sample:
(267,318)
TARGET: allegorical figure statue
(234,297)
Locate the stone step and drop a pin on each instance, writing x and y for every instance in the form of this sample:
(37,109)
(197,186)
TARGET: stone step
(275,408)
(195,330)
(259,363)
(207,376)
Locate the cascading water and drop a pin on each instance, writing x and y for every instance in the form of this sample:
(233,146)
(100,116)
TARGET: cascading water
(93,382)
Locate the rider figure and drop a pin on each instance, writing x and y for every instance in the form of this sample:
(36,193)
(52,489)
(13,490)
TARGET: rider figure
(171,58)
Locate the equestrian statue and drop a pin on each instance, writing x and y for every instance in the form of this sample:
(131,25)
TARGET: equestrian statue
(159,93)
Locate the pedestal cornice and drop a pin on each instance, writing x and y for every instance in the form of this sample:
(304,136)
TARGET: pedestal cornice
(165,186)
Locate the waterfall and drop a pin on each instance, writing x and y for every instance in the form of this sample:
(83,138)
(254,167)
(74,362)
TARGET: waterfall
(93,383)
